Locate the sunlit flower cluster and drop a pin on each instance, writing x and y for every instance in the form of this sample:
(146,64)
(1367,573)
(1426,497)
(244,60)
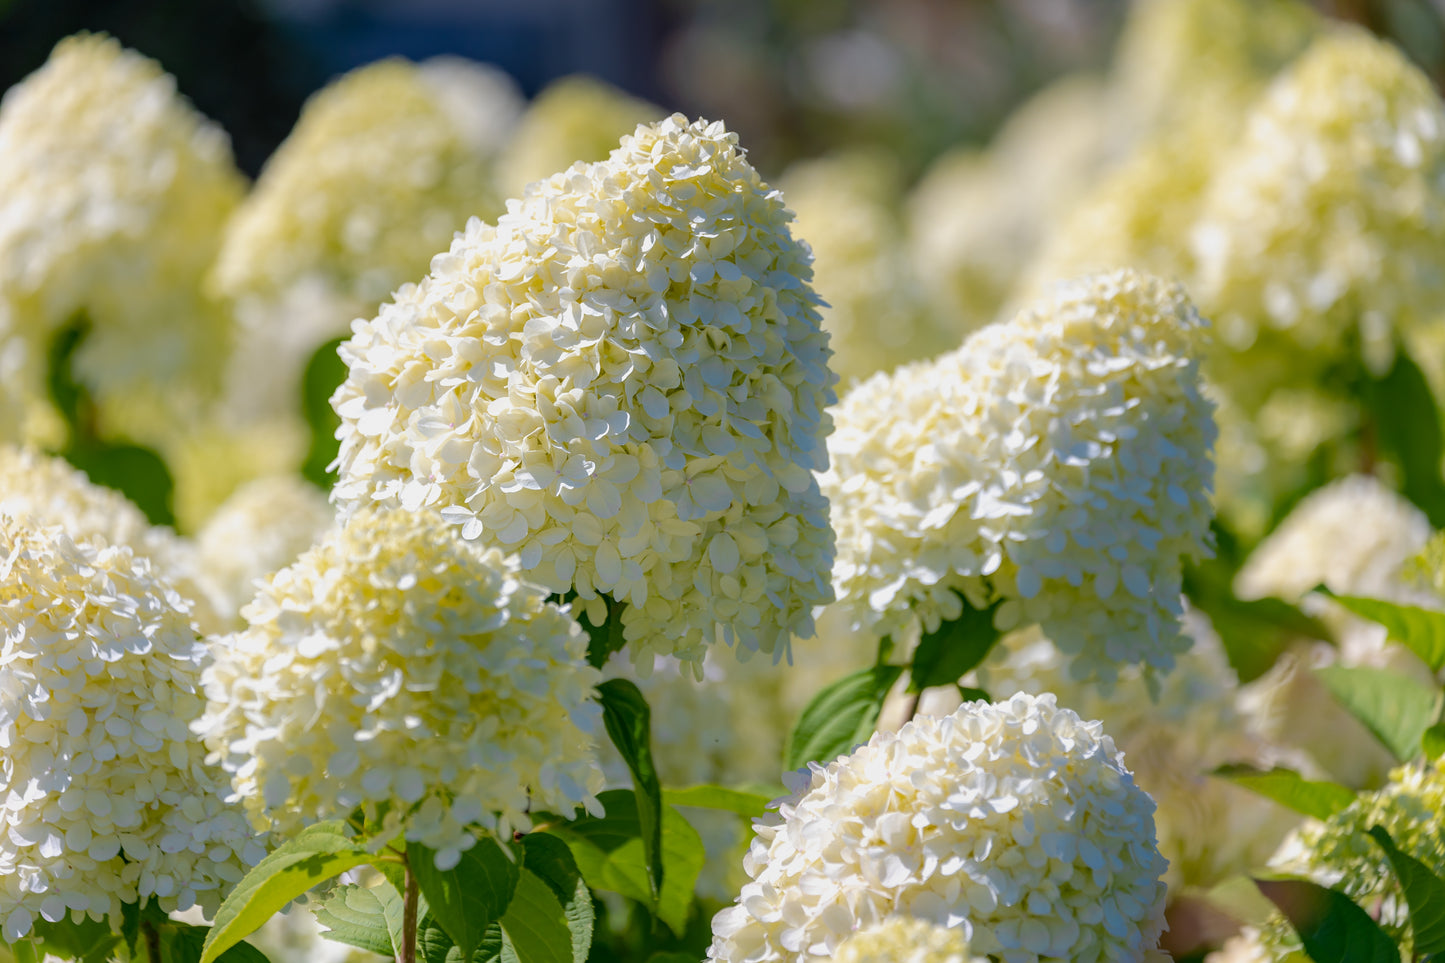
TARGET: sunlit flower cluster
(1014,822)
(395,666)
(108,799)
(1323,229)
(905,939)
(1060,462)
(113,192)
(624,382)
(261,528)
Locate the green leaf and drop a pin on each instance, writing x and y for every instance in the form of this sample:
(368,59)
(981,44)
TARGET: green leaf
(721,798)
(183,943)
(1291,790)
(629,724)
(604,639)
(840,717)
(1424,894)
(434,946)
(1241,900)
(325,371)
(1406,423)
(316,854)
(1332,928)
(88,941)
(535,924)
(1393,706)
(1255,633)
(970,693)
(1422,631)
(356,916)
(466,899)
(944,656)
(672,956)
(608,851)
(549,858)
(1433,741)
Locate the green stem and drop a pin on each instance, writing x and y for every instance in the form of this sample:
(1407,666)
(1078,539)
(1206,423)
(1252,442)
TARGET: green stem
(153,940)
(25,951)
(410,898)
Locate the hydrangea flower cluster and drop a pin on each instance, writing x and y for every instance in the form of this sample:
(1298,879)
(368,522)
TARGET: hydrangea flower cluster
(113,192)
(905,939)
(1060,462)
(875,316)
(1323,229)
(624,382)
(1015,823)
(107,796)
(395,663)
(261,528)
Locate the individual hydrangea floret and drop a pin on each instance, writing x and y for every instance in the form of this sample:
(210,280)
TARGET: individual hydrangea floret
(1014,822)
(904,939)
(1321,235)
(1059,462)
(108,798)
(625,383)
(262,527)
(397,667)
(113,193)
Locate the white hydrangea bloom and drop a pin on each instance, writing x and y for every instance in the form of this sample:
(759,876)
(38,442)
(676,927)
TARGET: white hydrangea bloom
(396,663)
(1322,232)
(624,382)
(482,100)
(261,528)
(1015,822)
(905,939)
(113,193)
(1060,462)
(108,798)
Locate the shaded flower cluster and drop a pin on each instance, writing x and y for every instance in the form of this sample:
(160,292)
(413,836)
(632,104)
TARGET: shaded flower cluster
(1015,823)
(1060,462)
(107,796)
(397,667)
(624,382)
(905,939)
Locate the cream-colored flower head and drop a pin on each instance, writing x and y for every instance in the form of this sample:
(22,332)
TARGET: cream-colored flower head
(576,118)
(905,939)
(113,193)
(375,178)
(1338,852)
(625,382)
(1322,233)
(108,798)
(483,101)
(1353,536)
(1015,822)
(1060,461)
(260,529)
(396,664)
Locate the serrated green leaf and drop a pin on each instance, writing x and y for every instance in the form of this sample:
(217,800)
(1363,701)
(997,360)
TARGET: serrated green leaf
(740,801)
(1422,631)
(89,941)
(1395,707)
(549,858)
(1331,927)
(955,648)
(356,916)
(316,854)
(629,724)
(1424,894)
(840,717)
(466,900)
(183,943)
(434,946)
(1291,790)
(535,923)
(608,851)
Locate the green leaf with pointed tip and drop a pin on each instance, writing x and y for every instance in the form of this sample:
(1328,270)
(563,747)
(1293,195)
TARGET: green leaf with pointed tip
(629,725)
(549,858)
(840,717)
(318,853)
(1422,631)
(1291,790)
(955,648)
(1393,706)
(742,802)
(608,851)
(183,943)
(356,916)
(1331,927)
(466,899)
(1424,894)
